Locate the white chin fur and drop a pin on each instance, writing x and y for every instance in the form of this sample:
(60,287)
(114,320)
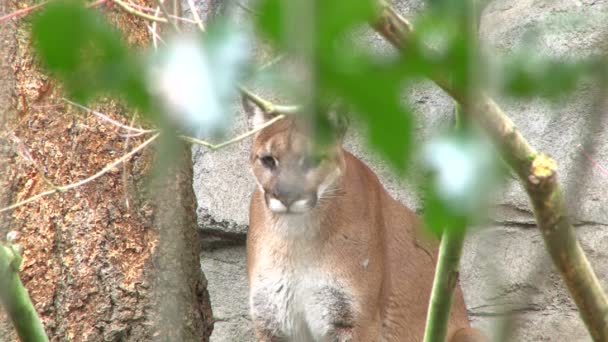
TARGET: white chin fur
(276,206)
(300,206)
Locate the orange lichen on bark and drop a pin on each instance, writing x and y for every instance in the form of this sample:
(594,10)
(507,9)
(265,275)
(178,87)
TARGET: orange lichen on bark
(543,167)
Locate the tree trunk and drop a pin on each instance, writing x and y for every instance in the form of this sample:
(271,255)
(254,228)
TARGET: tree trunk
(116,258)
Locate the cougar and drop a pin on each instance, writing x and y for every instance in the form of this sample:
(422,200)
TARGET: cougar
(331,256)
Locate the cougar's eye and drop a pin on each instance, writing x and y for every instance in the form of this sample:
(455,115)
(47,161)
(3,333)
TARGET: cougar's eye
(268,162)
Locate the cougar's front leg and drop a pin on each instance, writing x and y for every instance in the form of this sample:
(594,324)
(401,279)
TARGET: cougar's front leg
(266,313)
(330,315)
(266,330)
(264,335)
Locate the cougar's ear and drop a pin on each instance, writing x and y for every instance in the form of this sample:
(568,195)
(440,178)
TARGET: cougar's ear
(255,115)
(338,118)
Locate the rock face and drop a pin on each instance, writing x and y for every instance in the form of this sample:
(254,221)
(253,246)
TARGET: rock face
(506,273)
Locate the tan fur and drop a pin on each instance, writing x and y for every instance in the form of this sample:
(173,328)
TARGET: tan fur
(349,269)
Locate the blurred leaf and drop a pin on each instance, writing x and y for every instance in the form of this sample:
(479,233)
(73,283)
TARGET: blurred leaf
(324,21)
(87,54)
(374,92)
(529,75)
(445,43)
(197,79)
(465,172)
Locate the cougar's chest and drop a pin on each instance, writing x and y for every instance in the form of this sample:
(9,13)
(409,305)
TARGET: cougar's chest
(297,296)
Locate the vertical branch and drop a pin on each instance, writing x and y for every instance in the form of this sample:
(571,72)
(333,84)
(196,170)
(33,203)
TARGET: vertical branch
(446,278)
(447,269)
(15,299)
(452,239)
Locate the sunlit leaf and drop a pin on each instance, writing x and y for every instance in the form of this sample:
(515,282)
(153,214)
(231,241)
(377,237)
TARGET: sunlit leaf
(196,79)
(464,174)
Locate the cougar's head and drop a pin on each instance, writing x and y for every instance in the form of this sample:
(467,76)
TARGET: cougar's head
(294,174)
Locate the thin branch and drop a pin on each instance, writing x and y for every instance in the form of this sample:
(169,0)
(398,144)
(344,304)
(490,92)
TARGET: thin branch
(197,18)
(110,120)
(267,106)
(155,36)
(246,8)
(271,62)
(84,181)
(24,152)
(24,11)
(597,165)
(129,9)
(157,13)
(28,10)
(538,174)
(167,15)
(234,140)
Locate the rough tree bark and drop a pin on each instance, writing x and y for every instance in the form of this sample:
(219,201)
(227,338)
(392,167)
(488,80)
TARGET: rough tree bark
(117,258)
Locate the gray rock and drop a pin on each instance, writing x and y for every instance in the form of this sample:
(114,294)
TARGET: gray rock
(506,271)
(227,286)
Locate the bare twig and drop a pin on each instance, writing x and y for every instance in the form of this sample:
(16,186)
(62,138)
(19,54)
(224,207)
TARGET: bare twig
(197,18)
(24,11)
(110,120)
(234,140)
(267,106)
(28,10)
(131,10)
(155,36)
(84,181)
(24,152)
(167,15)
(538,174)
(125,174)
(156,12)
(246,8)
(597,165)
(271,62)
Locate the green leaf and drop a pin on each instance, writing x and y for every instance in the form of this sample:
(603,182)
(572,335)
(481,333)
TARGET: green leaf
(372,89)
(320,21)
(375,94)
(528,75)
(87,54)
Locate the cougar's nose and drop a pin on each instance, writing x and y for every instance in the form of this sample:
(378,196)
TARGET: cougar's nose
(289,199)
(286,194)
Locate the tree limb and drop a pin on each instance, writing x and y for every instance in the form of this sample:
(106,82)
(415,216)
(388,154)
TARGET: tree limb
(537,173)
